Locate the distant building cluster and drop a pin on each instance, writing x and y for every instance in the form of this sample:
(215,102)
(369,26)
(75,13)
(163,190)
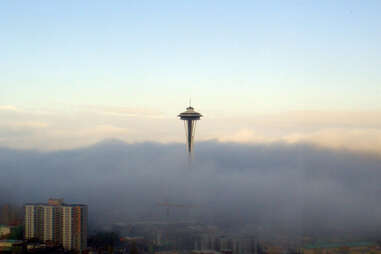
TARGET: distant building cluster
(4,230)
(57,222)
(10,215)
(226,244)
(189,237)
(342,247)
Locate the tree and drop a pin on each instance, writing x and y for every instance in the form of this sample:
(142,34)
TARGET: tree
(104,240)
(133,248)
(343,250)
(261,249)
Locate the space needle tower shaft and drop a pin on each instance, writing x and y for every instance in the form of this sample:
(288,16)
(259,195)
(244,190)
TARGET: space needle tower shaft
(190,117)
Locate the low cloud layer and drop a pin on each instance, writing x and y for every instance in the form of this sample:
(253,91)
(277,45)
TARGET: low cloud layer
(69,127)
(275,187)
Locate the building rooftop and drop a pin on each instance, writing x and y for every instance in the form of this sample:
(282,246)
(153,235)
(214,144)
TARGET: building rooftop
(205,252)
(46,204)
(338,245)
(11,241)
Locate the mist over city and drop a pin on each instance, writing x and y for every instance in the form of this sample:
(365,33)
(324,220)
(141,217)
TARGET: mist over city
(278,187)
(190,127)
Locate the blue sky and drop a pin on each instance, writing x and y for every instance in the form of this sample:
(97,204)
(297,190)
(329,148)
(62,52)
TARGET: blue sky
(254,56)
(73,73)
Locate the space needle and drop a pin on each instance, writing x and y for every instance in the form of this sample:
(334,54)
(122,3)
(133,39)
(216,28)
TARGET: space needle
(190,117)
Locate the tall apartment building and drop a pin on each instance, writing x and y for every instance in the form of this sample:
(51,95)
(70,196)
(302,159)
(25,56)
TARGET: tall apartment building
(57,222)
(74,227)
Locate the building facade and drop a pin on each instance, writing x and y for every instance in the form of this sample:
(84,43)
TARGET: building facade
(57,222)
(227,243)
(4,230)
(31,221)
(74,226)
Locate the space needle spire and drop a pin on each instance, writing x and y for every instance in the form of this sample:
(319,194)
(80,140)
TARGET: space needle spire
(190,117)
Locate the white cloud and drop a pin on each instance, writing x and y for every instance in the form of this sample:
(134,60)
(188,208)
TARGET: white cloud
(81,126)
(246,136)
(8,108)
(27,124)
(120,111)
(364,140)
(361,140)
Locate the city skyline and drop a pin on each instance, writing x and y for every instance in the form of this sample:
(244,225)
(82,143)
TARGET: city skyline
(288,151)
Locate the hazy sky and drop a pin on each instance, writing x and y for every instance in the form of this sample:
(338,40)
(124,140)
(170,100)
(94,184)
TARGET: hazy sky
(236,59)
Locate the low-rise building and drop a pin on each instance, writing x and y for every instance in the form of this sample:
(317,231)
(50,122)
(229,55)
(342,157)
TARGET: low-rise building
(342,247)
(4,230)
(205,252)
(7,245)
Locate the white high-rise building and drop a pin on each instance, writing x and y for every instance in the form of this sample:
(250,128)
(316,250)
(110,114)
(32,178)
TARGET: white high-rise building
(74,226)
(30,221)
(57,222)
